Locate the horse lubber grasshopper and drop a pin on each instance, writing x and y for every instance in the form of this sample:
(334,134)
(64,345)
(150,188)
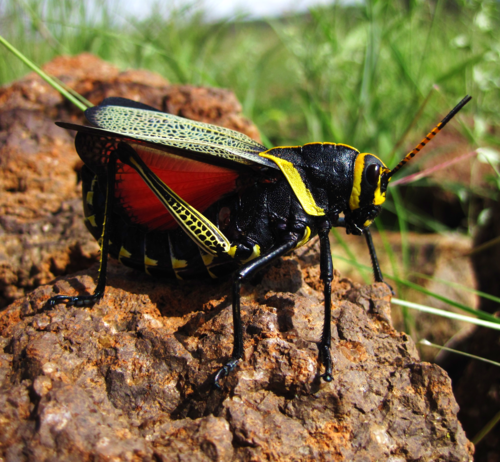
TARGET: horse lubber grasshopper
(183,199)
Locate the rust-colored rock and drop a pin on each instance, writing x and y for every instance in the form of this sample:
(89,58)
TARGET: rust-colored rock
(210,105)
(130,378)
(445,269)
(41,219)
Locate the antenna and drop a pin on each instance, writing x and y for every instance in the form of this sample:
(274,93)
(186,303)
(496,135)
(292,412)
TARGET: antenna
(429,136)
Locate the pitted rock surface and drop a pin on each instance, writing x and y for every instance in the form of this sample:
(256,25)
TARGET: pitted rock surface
(131,377)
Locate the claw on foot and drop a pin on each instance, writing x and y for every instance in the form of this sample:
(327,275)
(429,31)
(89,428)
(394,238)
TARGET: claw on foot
(390,288)
(327,377)
(326,360)
(225,371)
(80,301)
(68,301)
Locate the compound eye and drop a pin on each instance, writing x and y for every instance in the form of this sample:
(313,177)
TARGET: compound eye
(372,174)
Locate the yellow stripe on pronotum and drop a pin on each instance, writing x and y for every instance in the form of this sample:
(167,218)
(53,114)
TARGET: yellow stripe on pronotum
(303,194)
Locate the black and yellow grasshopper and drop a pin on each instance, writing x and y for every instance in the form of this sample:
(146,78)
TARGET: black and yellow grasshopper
(183,199)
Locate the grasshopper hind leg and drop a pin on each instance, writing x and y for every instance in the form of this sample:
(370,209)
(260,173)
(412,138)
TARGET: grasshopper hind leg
(89,300)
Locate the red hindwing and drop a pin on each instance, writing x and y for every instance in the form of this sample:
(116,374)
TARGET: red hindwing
(198,183)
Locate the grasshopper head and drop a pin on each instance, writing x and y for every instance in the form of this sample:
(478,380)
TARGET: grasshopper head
(371,178)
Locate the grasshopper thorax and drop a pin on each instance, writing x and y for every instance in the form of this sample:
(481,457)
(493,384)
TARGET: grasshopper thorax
(331,179)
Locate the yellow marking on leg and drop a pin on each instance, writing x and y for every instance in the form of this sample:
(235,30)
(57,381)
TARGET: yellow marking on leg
(305,237)
(199,228)
(255,253)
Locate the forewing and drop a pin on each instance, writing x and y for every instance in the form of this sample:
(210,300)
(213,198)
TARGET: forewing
(198,161)
(128,119)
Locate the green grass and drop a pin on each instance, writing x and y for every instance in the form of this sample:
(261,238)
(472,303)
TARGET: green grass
(351,74)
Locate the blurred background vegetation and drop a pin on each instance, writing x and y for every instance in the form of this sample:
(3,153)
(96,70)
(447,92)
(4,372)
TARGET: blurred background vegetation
(355,73)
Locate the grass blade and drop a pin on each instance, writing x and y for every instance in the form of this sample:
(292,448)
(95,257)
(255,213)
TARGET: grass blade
(480,314)
(43,75)
(462,353)
(447,314)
